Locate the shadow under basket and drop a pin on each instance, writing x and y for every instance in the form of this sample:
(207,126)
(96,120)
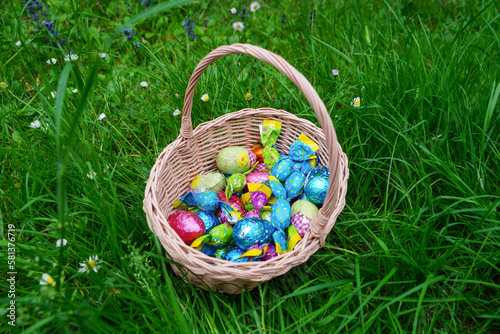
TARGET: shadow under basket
(194,152)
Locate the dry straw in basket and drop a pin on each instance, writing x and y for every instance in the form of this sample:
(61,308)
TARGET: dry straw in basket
(194,152)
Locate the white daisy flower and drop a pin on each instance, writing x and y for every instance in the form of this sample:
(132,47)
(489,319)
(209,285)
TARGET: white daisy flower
(61,242)
(35,125)
(233,10)
(238,26)
(144,84)
(356,102)
(51,61)
(47,280)
(335,72)
(102,55)
(205,98)
(254,6)
(101,117)
(177,112)
(91,264)
(70,57)
(91,175)
(53,94)
(75,90)
(177,95)
(18,43)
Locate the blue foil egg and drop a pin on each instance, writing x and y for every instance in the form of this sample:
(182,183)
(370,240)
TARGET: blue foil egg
(302,197)
(294,185)
(316,189)
(221,252)
(207,200)
(209,219)
(306,167)
(234,254)
(277,188)
(208,250)
(279,238)
(280,214)
(318,171)
(282,169)
(252,231)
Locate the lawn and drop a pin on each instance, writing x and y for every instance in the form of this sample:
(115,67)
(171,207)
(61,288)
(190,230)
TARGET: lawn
(417,247)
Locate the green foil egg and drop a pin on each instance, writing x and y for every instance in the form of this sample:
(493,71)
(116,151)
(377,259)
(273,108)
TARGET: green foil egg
(233,159)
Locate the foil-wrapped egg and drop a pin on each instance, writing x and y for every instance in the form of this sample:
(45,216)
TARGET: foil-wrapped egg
(294,185)
(250,231)
(221,235)
(252,158)
(257,177)
(252,214)
(233,159)
(206,200)
(214,181)
(277,188)
(282,169)
(258,153)
(316,189)
(302,213)
(187,225)
(318,171)
(270,253)
(280,214)
(280,242)
(271,157)
(234,255)
(236,182)
(208,250)
(236,203)
(221,252)
(209,219)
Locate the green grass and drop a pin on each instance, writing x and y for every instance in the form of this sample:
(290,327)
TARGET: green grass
(416,249)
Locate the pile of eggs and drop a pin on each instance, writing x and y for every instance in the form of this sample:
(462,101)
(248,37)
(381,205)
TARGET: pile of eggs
(257,207)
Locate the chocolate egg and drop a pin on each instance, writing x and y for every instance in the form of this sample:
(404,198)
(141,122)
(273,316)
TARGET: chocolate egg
(208,250)
(277,188)
(250,231)
(280,241)
(252,214)
(316,189)
(258,153)
(252,158)
(206,200)
(271,157)
(294,185)
(270,253)
(237,182)
(302,214)
(233,159)
(209,219)
(234,254)
(282,169)
(318,171)
(261,167)
(257,177)
(221,235)
(214,181)
(221,252)
(187,225)
(280,214)
(235,202)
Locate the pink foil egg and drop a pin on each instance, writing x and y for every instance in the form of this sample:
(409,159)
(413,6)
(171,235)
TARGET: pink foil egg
(187,225)
(258,177)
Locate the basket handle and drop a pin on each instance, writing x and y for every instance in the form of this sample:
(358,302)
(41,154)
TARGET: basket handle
(314,100)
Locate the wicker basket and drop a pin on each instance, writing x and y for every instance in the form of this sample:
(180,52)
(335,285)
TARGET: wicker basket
(194,152)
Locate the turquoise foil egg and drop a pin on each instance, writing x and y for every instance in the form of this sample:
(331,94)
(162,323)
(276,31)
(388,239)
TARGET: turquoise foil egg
(294,185)
(280,214)
(316,189)
(234,254)
(252,231)
(207,200)
(282,169)
(317,171)
(208,250)
(279,238)
(209,219)
(277,189)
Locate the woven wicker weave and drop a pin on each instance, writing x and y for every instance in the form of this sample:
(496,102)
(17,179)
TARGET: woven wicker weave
(194,152)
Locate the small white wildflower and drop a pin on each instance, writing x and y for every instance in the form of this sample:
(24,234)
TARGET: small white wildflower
(238,26)
(101,117)
(91,175)
(335,72)
(102,55)
(61,242)
(47,280)
(205,98)
(75,90)
(35,125)
(177,95)
(91,264)
(51,61)
(53,94)
(254,6)
(18,43)
(233,10)
(356,102)
(177,112)
(71,57)
(144,84)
